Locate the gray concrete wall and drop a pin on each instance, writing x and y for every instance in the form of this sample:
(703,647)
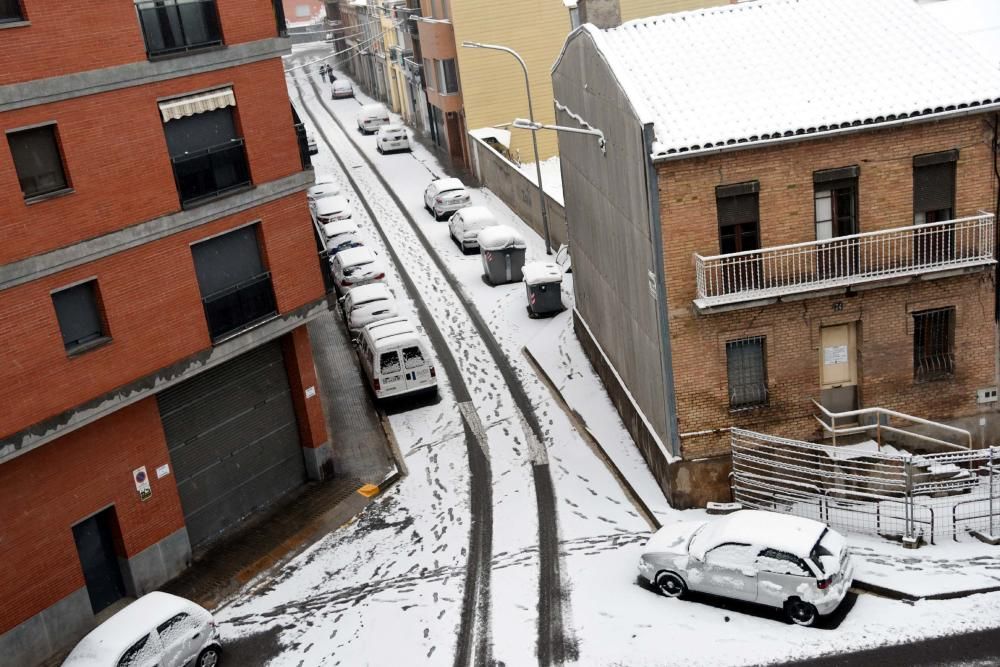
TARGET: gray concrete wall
(602,13)
(517,191)
(610,229)
(54,629)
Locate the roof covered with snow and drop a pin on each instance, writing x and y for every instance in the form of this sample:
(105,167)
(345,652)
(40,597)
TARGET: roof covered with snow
(778,69)
(978,21)
(791,534)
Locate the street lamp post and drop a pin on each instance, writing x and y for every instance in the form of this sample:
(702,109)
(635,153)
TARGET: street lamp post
(534,135)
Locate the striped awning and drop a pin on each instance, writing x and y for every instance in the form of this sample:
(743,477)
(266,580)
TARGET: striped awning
(200,103)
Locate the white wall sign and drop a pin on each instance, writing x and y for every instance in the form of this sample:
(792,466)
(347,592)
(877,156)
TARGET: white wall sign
(310,392)
(162,471)
(142,483)
(835,355)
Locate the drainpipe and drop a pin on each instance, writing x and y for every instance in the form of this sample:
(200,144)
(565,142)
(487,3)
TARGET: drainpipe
(656,238)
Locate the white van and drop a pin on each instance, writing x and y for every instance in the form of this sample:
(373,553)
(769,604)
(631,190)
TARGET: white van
(332,209)
(366,304)
(466,224)
(371,117)
(396,358)
(392,137)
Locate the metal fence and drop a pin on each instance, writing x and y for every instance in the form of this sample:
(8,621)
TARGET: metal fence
(867,489)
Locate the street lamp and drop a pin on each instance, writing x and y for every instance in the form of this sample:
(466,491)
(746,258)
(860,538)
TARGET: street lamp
(534,138)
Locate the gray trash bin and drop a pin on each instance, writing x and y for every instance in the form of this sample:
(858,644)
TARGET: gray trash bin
(502,250)
(543,281)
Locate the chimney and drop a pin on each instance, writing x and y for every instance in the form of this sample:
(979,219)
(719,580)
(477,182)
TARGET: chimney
(602,13)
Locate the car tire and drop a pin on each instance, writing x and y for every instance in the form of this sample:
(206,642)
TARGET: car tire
(670,585)
(437,216)
(210,657)
(801,613)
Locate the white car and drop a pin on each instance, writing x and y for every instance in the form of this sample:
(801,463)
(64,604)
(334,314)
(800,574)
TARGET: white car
(466,224)
(342,89)
(366,304)
(341,235)
(320,190)
(371,117)
(392,137)
(355,267)
(157,629)
(795,564)
(332,209)
(445,196)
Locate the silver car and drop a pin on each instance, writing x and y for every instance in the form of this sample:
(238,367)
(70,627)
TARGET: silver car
(791,563)
(445,196)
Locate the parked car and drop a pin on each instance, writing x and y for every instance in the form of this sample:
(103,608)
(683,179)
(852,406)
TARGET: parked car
(396,358)
(341,235)
(445,196)
(466,224)
(371,117)
(311,147)
(791,563)
(157,629)
(342,89)
(366,304)
(354,267)
(320,190)
(332,209)
(392,137)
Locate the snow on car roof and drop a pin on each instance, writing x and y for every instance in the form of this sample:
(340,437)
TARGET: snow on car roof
(391,127)
(331,204)
(394,329)
(341,84)
(759,71)
(793,534)
(472,214)
(107,641)
(323,188)
(367,293)
(540,273)
(377,108)
(352,256)
(444,184)
(339,227)
(499,237)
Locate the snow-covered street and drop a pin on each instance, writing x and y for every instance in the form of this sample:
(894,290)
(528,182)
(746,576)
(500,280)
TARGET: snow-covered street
(510,542)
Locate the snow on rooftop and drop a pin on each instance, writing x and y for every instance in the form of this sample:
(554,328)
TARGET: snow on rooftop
(764,70)
(978,21)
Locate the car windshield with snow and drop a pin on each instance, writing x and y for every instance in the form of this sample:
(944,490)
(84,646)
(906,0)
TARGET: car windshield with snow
(791,563)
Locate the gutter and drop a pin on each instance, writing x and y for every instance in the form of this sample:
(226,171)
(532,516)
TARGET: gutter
(805,136)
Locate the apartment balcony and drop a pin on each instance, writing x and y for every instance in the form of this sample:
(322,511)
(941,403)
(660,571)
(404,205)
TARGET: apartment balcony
(211,172)
(873,258)
(240,307)
(173,27)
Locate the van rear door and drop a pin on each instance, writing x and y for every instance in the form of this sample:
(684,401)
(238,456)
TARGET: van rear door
(417,368)
(389,371)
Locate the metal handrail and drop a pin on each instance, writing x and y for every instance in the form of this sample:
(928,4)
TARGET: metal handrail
(879,426)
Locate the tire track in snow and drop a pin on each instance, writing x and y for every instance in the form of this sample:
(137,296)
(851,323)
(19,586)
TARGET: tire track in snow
(554,646)
(473,638)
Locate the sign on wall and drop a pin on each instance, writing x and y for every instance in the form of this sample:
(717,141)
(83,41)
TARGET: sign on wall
(142,483)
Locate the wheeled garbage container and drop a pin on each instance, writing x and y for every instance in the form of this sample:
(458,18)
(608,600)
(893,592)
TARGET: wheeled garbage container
(502,250)
(543,281)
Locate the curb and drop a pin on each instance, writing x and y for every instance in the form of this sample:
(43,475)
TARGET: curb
(907,597)
(581,427)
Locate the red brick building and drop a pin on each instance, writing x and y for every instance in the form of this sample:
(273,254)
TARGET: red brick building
(157,270)
(810,219)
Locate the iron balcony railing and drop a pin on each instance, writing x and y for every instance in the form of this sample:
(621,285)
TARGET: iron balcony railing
(240,307)
(211,172)
(175,26)
(843,261)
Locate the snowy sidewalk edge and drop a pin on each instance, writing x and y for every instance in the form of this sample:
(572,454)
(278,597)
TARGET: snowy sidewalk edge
(909,597)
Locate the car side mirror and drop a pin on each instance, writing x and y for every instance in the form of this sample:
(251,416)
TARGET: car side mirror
(748,571)
(341,299)
(355,341)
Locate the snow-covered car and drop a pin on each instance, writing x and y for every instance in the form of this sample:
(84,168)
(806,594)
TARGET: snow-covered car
(466,224)
(392,137)
(371,117)
(157,629)
(320,190)
(341,235)
(366,304)
(355,267)
(342,89)
(791,563)
(332,209)
(445,196)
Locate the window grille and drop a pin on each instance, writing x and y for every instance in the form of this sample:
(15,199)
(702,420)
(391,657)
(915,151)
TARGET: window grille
(933,344)
(747,372)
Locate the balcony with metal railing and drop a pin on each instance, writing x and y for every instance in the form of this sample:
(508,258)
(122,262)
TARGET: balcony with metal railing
(174,27)
(846,261)
(240,307)
(211,172)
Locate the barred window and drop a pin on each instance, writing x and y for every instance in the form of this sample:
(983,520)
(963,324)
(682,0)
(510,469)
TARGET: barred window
(934,344)
(747,372)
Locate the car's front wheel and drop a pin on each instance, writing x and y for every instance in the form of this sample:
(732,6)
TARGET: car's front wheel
(801,613)
(671,585)
(210,657)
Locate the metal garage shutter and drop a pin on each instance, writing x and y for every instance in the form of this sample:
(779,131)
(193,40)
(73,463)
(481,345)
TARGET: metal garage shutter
(233,440)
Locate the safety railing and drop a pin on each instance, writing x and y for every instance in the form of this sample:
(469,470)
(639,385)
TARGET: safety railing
(878,421)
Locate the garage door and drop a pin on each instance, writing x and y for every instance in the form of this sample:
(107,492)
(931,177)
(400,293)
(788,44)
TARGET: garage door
(233,440)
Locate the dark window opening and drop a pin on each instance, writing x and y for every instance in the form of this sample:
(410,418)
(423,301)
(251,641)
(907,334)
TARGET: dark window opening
(10,11)
(235,288)
(934,203)
(934,344)
(208,157)
(739,231)
(176,26)
(448,76)
(37,161)
(747,372)
(78,310)
(836,209)
(389,363)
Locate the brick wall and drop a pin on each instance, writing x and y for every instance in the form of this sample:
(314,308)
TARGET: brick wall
(301,376)
(115,155)
(689,218)
(153,310)
(46,491)
(76,37)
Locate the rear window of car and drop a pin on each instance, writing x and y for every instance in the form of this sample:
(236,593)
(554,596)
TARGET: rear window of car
(389,362)
(177,628)
(412,357)
(351,270)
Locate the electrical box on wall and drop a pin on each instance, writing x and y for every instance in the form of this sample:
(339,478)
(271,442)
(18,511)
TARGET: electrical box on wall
(986,395)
